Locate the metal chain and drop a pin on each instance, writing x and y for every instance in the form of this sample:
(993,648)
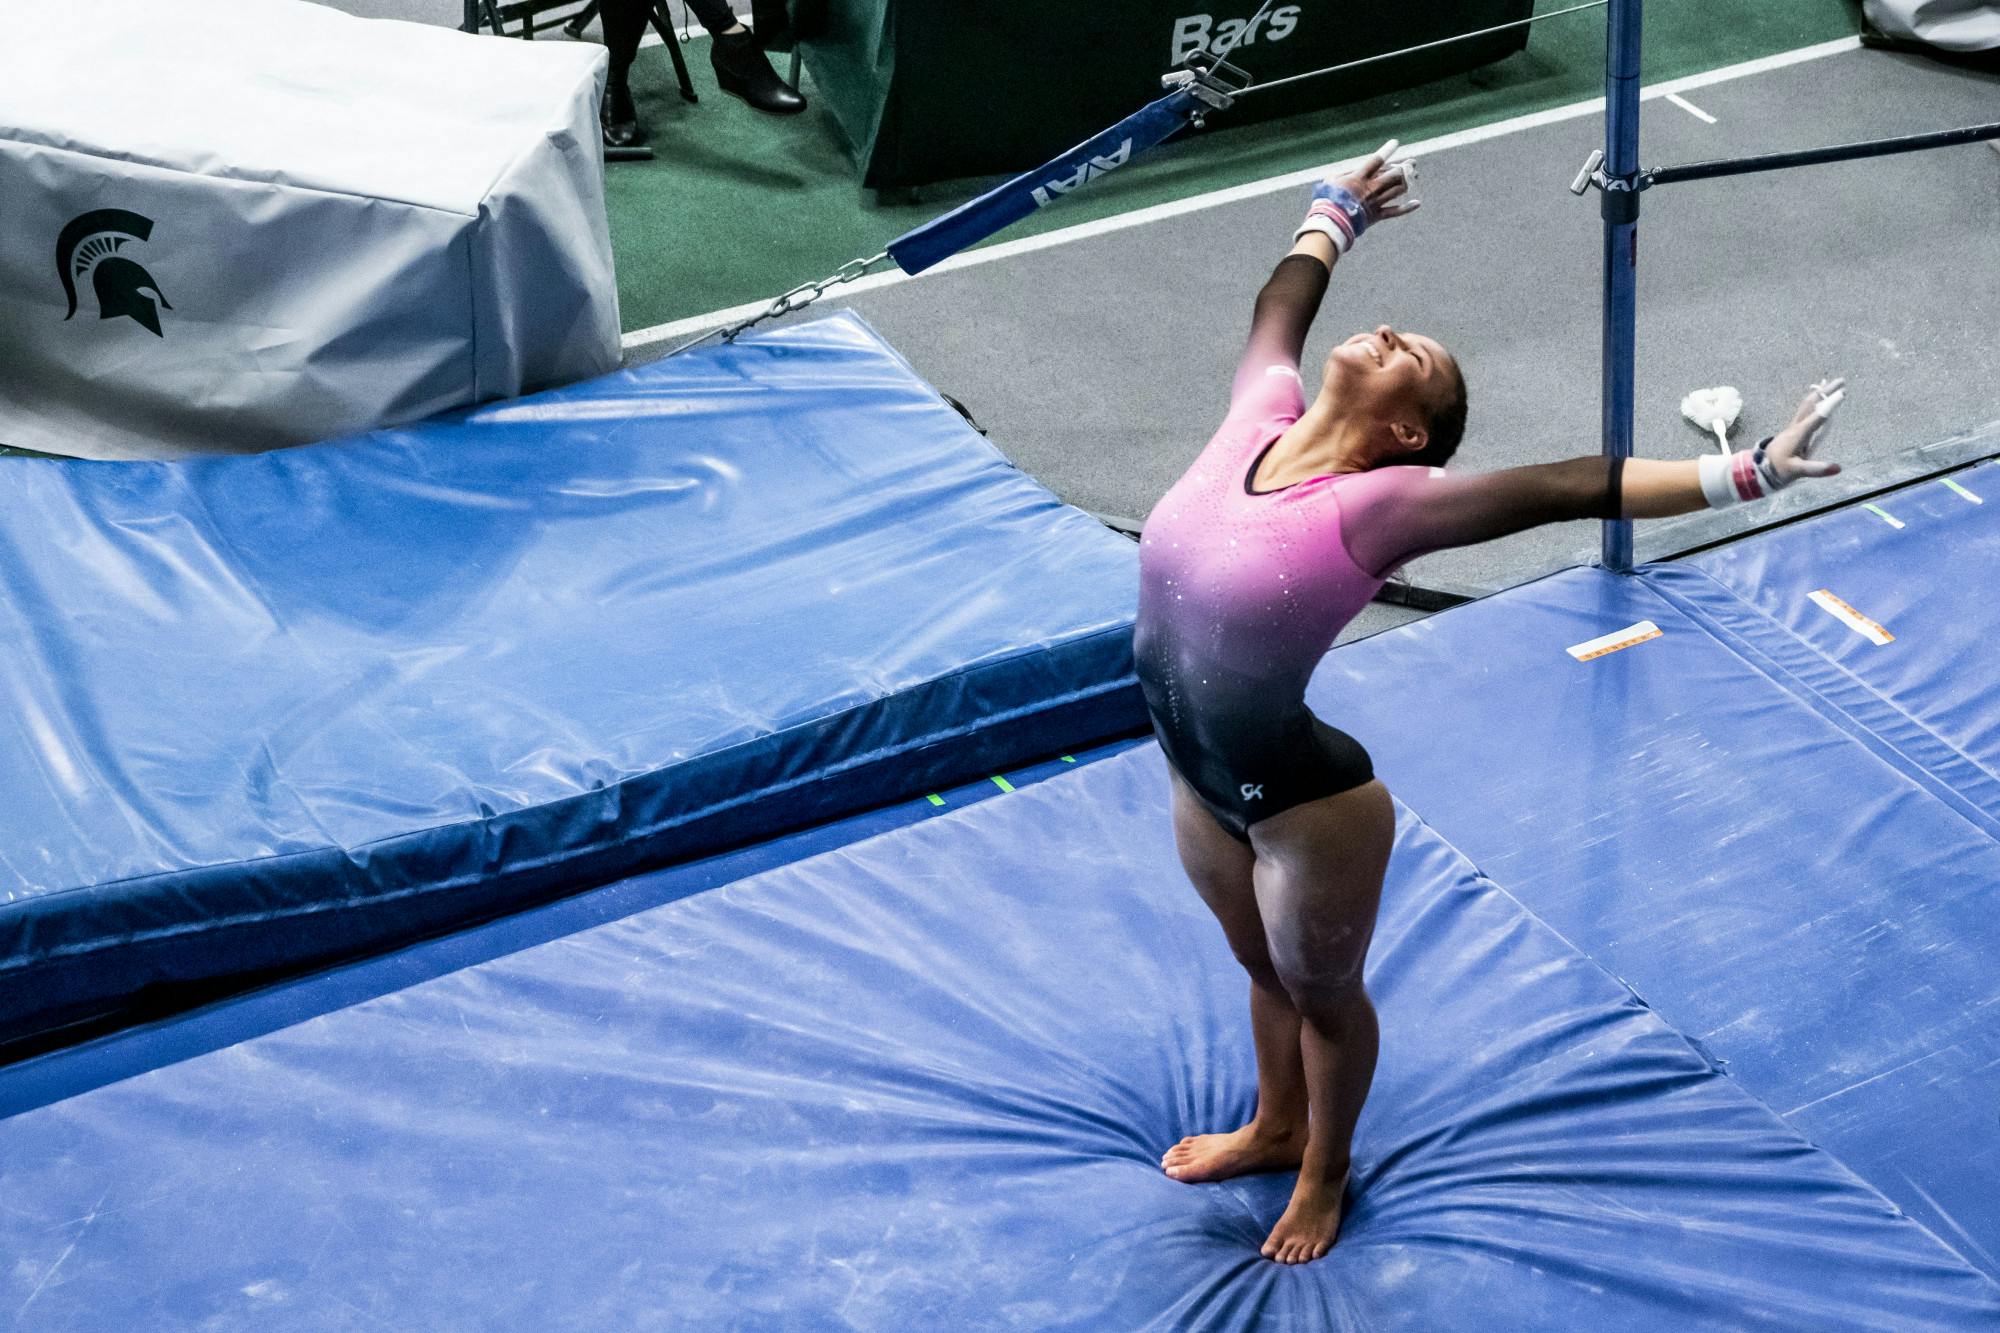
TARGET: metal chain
(803,295)
(798,298)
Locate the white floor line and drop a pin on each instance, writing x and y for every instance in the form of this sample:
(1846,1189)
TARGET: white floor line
(693,31)
(684,328)
(1690,108)
(686,35)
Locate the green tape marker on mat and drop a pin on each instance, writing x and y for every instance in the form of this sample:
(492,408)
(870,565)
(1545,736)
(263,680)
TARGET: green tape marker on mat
(935,799)
(1885,516)
(1069,759)
(1962,491)
(1002,783)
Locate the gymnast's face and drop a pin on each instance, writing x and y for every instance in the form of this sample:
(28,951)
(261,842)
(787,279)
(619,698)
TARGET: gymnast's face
(1397,379)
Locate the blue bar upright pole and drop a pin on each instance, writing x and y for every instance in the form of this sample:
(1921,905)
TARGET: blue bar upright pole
(1621,250)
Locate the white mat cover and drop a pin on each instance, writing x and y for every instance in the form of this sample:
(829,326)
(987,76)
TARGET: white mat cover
(239,224)
(1964,26)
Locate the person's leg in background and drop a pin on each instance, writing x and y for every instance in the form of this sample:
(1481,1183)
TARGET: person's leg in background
(624,23)
(740,65)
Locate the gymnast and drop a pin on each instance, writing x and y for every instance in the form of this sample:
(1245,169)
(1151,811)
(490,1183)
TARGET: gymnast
(1282,530)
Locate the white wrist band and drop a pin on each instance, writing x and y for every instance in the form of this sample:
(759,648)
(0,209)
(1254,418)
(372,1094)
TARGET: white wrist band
(1326,227)
(1732,480)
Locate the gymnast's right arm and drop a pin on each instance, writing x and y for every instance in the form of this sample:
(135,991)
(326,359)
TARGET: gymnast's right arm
(1396,514)
(1342,208)
(1284,312)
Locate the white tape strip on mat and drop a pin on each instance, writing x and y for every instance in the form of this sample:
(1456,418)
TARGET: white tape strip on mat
(1616,639)
(1851,618)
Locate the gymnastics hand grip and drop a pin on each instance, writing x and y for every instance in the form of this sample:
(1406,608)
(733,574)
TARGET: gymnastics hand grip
(1004,205)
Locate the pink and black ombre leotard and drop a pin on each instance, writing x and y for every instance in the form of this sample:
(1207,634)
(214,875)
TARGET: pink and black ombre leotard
(1242,591)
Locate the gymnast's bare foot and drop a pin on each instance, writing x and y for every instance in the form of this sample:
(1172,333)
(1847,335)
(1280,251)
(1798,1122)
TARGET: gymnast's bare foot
(1242,1152)
(1310,1224)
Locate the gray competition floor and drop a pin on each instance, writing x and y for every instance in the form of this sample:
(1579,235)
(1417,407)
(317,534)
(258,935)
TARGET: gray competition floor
(1101,365)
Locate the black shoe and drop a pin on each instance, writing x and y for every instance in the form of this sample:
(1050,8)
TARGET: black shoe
(740,68)
(618,117)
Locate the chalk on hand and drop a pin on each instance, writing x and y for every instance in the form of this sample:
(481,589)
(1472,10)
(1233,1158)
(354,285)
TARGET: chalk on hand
(1828,403)
(1388,150)
(1714,410)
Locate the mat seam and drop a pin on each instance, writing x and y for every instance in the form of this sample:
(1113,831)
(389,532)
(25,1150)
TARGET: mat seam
(249,182)
(1746,650)
(906,746)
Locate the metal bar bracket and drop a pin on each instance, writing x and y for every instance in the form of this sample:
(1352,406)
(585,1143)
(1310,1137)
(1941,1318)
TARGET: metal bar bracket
(1210,80)
(1621,193)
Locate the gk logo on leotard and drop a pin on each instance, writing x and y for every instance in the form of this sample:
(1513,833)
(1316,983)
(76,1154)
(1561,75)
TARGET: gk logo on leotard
(1046,193)
(1253,792)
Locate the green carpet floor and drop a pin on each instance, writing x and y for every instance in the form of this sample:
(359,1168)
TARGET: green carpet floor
(739,206)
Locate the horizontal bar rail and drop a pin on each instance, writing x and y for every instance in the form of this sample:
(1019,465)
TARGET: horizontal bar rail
(1846,152)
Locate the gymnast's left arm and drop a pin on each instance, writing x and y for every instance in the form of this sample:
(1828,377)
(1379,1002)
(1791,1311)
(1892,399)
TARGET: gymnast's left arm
(1392,515)
(1654,489)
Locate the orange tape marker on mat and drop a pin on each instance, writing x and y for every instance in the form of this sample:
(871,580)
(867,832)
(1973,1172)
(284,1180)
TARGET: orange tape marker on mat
(1612,642)
(1851,618)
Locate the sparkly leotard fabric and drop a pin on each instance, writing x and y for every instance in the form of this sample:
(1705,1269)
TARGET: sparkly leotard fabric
(1242,592)
(1240,595)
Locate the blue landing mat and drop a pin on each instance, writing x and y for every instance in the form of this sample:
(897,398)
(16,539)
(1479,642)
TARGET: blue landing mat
(922,1082)
(1933,584)
(256,713)
(1751,819)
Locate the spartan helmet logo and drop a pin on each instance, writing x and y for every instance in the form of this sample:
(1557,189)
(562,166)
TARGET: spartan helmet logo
(88,248)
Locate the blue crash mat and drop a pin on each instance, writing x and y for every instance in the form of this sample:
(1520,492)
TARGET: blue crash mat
(923,1082)
(1779,881)
(260,712)
(1923,564)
